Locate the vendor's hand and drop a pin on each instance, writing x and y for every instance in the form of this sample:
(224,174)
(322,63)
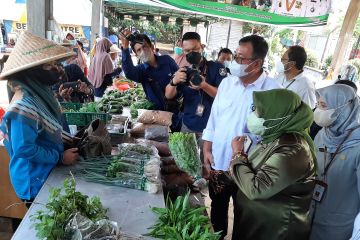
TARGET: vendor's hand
(125,43)
(200,86)
(70,156)
(179,76)
(237,144)
(65,93)
(84,88)
(208,163)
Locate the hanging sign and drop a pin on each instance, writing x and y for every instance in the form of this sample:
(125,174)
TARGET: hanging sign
(277,12)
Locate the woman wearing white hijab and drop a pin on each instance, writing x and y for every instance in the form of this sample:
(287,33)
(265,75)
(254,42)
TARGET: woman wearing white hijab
(337,145)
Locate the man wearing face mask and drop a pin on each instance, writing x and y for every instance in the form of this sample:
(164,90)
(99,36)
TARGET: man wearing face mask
(198,95)
(225,57)
(232,105)
(292,75)
(31,127)
(154,72)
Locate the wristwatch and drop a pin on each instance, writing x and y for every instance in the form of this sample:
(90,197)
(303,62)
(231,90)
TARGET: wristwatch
(172,83)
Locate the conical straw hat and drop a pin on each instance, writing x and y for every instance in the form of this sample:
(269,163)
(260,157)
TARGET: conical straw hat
(31,51)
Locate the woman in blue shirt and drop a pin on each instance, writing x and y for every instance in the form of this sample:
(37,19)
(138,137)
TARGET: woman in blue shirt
(31,127)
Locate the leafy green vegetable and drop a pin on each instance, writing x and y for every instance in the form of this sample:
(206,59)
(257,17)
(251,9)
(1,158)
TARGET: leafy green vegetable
(117,167)
(179,221)
(89,107)
(145,104)
(183,147)
(136,148)
(63,203)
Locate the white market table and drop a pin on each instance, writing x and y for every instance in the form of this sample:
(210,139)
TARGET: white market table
(128,207)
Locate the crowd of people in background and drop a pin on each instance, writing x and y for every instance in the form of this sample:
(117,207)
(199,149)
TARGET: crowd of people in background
(285,152)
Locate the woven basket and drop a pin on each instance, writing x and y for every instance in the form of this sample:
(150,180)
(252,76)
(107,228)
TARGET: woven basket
(31,51)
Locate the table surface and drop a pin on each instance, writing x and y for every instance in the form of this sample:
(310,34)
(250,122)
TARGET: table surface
(128,207)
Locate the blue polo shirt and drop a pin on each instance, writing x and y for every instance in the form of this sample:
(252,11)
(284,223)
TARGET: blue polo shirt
(153,80)
(215,73)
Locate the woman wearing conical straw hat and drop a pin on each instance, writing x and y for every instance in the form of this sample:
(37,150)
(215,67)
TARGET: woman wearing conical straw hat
(31,127)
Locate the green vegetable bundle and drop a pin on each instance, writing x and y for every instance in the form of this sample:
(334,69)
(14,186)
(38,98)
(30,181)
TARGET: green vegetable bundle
(132,168)
(63,203)
(184,149)
(122,179)
(135,148)
(144,104)
(89,108)
(181,222)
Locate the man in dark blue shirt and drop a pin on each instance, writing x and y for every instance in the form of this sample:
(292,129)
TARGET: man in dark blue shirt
(198,96)
(153,72)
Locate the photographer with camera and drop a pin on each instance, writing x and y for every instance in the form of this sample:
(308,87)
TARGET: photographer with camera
(197,83)
(74,86)
(154,72)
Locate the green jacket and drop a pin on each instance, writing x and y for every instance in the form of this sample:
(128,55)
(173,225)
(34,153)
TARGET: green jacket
(276,187)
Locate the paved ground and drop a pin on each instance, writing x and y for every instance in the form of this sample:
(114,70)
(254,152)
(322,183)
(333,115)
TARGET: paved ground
(231,215)
(6,228)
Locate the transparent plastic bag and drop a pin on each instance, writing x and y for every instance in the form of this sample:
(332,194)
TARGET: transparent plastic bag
(155,117)
(160,133)
(82,228)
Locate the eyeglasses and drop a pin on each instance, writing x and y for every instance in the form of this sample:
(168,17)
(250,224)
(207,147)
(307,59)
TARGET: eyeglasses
(240,60)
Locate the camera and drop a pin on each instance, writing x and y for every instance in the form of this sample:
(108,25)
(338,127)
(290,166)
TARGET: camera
(74,85)
(131,37)
(193,76)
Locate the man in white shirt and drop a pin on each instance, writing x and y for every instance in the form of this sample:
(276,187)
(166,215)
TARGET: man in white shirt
(232,105)
(293,77)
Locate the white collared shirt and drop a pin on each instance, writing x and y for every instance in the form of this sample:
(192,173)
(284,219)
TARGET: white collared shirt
(302,86)
(232,105)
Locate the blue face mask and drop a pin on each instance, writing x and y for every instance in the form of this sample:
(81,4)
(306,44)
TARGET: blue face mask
(178,50)
(64,63)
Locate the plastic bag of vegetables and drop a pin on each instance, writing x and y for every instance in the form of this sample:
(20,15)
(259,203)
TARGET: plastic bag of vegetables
(184,149)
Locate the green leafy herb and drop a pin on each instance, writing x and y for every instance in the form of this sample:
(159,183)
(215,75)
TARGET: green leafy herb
(145,104)
(184,149)
(179,221)
(62,205)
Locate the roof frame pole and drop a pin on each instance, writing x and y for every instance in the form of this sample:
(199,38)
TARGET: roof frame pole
(346,34)
(96,21)
(228,36)
(38,15)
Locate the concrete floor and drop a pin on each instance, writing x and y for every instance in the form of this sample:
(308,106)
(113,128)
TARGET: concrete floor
(6,228)
(230,214)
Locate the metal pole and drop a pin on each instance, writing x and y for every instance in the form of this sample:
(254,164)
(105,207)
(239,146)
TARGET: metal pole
(228,36)
(346,33)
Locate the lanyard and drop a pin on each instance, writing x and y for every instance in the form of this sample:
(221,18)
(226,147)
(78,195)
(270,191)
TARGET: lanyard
(203,73)
(327,167)
(290,83)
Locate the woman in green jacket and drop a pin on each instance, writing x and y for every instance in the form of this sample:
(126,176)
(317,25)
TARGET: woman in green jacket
(276,180)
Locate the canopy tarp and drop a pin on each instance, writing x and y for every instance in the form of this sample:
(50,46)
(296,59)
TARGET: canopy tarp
(149,9)
(276,12)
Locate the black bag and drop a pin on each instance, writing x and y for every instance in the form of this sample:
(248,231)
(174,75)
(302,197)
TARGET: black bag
(94,140)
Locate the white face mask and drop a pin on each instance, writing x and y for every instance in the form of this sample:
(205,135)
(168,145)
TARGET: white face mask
(227,64)
(144,57)
(238,70)
(324,118)
(256,124)
(281,68)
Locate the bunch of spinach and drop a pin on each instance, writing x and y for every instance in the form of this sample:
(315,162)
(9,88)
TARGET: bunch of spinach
(63,203)
(179,221)
(184,149)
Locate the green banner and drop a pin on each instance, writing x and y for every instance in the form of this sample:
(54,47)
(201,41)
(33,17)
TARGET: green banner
(277,12)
